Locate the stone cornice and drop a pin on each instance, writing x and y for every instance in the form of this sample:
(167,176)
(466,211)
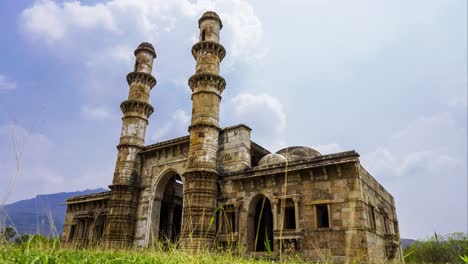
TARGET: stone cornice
(208,46)
(88,197)
(168,143)
(141,77)
(207,78)
(325,160)
(136,106)
(203,125)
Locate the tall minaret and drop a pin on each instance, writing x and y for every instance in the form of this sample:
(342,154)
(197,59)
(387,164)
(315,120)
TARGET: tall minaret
(125,186)
(200,187)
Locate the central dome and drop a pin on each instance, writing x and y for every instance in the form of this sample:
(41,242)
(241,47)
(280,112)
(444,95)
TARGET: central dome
(272,158)
(298,153)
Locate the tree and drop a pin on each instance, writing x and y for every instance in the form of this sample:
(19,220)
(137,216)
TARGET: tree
(7,234)
(452,248)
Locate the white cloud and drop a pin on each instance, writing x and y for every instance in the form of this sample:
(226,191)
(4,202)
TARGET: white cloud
(52,22)
(176,126)
(384,162)
(6,84)
(262,112)
(128,21)
(100,112)
(461,101)
(430,144)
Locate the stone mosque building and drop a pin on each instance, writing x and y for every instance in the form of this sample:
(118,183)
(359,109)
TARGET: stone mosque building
(217,188)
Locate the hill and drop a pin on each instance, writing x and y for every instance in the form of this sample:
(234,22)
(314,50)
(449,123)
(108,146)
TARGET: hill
(44,214)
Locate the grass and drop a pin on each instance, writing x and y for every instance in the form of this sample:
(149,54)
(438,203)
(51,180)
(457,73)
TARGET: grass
(40,250)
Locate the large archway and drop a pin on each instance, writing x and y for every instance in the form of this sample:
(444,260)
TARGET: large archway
(260,224)
(167,208)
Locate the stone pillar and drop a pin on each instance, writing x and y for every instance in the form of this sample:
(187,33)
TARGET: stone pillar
(201,176)
(275,214)
(125,186)
(170,218)
(296,211)
(237,216)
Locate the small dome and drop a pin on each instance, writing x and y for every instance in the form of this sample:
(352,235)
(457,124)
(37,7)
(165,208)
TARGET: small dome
(145,46)
(272,158)
(298,153)
(210,15)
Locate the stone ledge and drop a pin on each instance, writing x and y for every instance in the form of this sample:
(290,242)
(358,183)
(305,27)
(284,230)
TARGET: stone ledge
(131,105)
(141,77)
(207,78)
(210,46)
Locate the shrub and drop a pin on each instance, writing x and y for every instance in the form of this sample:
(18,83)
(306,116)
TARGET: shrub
(452,248)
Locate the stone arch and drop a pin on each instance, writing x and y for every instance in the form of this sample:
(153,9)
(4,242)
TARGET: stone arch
(160,208)
(260,223)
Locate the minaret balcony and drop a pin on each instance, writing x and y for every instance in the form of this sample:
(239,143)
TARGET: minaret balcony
(207,79)
(141,77)
(208,46)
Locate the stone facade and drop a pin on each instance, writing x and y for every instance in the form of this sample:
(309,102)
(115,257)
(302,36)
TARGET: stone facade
(217,188)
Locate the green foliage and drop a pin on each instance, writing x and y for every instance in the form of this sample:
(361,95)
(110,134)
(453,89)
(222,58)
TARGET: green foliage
(452,248)
(42,250)
(7,234)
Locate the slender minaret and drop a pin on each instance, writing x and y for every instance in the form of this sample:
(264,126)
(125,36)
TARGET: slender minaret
(200,187)
(125,186)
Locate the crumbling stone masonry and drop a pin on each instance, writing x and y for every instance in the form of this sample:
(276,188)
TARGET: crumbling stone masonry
(217,188)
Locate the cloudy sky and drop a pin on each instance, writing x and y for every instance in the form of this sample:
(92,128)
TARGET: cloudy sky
(386,78)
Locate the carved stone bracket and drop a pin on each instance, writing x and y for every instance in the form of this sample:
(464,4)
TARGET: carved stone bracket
(141,77)
(207,78)
(208,46)
(202,125)
(136,106)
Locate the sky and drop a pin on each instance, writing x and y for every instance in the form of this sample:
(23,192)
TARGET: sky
(386,78)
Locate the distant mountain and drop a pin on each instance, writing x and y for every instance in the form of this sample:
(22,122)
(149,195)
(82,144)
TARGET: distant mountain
(406,242)
(44,214)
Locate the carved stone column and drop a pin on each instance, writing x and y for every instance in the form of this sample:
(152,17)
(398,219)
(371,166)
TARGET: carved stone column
(275,214)
(296,211)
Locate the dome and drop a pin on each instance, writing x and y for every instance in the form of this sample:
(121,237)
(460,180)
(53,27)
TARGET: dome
(145,46)
(272,158)
(298,153)
(210,15)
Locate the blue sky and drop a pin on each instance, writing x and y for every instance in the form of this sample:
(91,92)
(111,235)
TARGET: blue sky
(387,78)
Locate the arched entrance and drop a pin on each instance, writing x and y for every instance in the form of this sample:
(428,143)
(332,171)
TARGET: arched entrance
(167,208)
(260,224)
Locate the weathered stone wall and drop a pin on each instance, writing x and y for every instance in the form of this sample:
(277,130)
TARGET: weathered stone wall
(82,215)
(382,232)
(234,149)
(160,162)
(335,184)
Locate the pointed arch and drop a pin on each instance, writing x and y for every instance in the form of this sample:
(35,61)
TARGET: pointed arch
(260,223)
(165,208)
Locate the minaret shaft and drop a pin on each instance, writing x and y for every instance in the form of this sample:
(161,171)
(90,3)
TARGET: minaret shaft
(125,186)
(201,177)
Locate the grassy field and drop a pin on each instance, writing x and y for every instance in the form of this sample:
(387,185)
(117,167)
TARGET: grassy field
(49,251)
